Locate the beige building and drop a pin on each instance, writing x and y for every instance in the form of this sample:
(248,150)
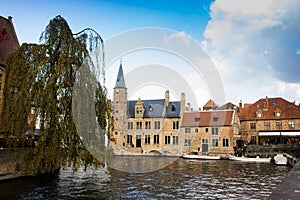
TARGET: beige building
(270,121)
(146,126)
(209,132)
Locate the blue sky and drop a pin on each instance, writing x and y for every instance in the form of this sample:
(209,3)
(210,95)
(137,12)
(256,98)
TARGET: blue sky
(254,44)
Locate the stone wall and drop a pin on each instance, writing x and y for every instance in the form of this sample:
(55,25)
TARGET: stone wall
(14,162)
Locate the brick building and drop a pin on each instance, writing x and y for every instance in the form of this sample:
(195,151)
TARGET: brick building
(8,44)
(270,121)
(210,131)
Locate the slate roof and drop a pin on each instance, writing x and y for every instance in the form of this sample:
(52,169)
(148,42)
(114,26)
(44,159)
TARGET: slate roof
(120,83)
(288,109)
(154,108)
(207,118)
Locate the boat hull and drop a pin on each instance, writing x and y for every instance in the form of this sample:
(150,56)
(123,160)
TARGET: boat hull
(201,157)
(247,159)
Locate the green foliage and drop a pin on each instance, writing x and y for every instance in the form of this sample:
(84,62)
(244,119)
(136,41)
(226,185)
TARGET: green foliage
(39,84)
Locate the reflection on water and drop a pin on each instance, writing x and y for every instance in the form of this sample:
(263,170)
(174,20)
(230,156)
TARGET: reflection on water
(183,179)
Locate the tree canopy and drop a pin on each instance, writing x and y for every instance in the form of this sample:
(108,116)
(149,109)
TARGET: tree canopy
(39,88)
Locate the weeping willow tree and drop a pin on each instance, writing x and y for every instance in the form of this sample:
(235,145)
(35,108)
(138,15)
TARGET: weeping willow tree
(39,88)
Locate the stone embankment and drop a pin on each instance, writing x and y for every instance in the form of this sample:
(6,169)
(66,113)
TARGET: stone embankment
(14,162)
(289,188)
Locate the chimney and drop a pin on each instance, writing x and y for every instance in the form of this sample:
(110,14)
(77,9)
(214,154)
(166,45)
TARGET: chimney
(182,103)
(167,97)
(241,104)
(188,107)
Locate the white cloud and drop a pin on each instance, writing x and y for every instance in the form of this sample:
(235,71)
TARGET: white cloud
(254,46)
(181,36)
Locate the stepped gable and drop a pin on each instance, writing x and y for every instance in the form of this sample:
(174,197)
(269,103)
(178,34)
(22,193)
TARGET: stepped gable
(269,106)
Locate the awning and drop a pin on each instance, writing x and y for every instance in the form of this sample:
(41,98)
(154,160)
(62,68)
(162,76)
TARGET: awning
(277,133)
(268,133)
(294,133)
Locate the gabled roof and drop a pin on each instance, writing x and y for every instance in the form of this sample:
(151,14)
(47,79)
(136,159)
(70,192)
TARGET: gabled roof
(268,107)
(154,109)
(120,83)
(210,103)
(207,118)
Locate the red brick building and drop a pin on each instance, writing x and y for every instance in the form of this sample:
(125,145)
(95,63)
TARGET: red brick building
(8,44)
(270,121)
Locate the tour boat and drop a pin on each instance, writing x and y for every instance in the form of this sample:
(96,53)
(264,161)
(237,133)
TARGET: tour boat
(201,157)
(280,159)
(249,159)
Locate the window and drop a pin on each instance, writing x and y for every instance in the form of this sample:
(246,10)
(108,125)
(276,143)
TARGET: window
(167,139)
(117,111)
(157,125)
(139,110)
(187,130)
(197,119)
(277,114)
(148,125)
(215,119)
(259,115)
(187,142)
(175,125)
(215,131)
(291,125)
(173,108)
(206,130)
(147,139)
(175,139)
(196,130)
(215,142)
(116,133)
(156,139)
(129,139)
(150,108)
(225,142)
(253,126)
(139,125)
(267,126)
(204,141)
(278,125)
(130,125)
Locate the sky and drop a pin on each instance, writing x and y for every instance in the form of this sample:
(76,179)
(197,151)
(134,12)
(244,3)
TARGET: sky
(253,44)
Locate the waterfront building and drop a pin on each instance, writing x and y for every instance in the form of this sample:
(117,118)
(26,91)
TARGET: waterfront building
(209,131)
(270,121)
(8,44)
(146,126)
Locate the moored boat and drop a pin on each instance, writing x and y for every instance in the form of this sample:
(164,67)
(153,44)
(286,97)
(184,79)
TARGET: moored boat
(249,159)
(201,157)
(280,159)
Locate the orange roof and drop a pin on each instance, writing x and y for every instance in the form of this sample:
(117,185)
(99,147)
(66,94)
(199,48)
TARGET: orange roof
(210,103)
(207,118)
(268,106)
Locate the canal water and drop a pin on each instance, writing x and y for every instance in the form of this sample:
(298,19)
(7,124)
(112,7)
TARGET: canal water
(182,179)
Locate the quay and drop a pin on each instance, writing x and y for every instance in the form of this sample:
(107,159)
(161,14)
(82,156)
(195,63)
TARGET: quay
(289,188)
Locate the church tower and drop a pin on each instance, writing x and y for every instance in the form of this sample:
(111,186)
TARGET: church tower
(120,103)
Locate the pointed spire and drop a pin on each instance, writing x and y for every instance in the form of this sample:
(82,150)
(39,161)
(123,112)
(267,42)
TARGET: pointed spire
(120,83)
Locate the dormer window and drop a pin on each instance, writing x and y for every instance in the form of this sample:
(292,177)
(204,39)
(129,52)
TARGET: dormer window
(258,115)
(173,108)
(150,108)
(215,119)
(197,119)
(139,110)
(277,113)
